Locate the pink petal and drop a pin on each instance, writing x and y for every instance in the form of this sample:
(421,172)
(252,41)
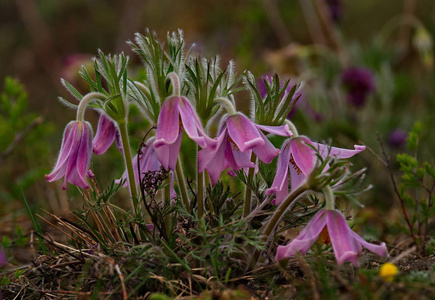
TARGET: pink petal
(326,150)
(343,243)
(106,133)
(243,132)
(213,160)
(168,123)
(280,182)
(83,159)
(238,158)
(380,250)
(304,156)
(167,154)
(305,239)
(266,152)
(66,149)
(192,125)
(277,130)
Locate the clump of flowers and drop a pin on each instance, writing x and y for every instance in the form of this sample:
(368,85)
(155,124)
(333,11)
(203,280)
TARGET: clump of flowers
(185,93)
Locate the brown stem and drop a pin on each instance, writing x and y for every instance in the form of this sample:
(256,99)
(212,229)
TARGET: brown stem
(275,20)
(396,190)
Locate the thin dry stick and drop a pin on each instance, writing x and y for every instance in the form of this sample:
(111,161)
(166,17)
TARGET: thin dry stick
(312,22)
(327,24)
(121,278)
(275,20)
(396,190)
(409,7)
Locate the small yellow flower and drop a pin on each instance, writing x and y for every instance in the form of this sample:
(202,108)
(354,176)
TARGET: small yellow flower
(388,271)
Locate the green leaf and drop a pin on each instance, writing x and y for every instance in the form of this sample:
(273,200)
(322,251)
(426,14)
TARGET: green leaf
(4,280)
(6,242)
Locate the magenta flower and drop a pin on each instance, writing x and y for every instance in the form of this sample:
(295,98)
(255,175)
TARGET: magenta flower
(238,137)
(359,83)
(298,157)
(74,156)
(347,245)
(177,114)
(106,134)
(148,162)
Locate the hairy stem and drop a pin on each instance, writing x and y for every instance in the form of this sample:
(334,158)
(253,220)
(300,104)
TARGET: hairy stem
(128,161)
(276,217)
(87,99)
(200,191)
(329,198)
(248,191)
(182,185)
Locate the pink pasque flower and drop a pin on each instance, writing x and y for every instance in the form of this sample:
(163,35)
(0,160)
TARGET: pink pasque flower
(106,134)
(177,114)
(298,156)
(347,245)
(238,138)
(148,162)
(74,156)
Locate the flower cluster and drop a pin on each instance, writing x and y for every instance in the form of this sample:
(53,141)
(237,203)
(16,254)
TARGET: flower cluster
(188,104)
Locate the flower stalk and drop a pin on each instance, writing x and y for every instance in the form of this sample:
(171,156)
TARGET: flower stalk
(248,191)
(128,161)
(182,185)
(87,99)
(276,217)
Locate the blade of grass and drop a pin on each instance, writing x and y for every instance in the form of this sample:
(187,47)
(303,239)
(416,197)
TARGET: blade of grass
(35,225)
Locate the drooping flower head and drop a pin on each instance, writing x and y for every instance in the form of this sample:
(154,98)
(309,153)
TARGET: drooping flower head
(177,114)
(359,83)
(74,155)
(347,245)
(299,157)
(106,134)
(238,138)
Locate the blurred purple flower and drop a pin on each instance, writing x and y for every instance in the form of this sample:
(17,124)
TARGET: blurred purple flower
(397,138)
(175,115)
(71,66)
(3,258)
(335,9)
(74,155)
(298,157)
(238,137)
(347,245)
(359,83)
(106,134)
